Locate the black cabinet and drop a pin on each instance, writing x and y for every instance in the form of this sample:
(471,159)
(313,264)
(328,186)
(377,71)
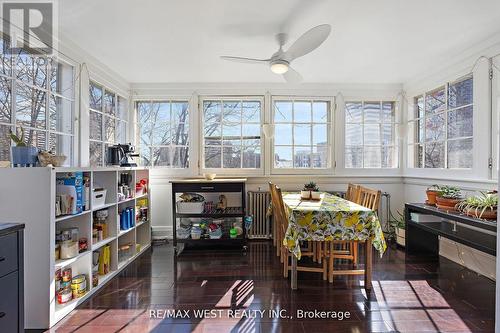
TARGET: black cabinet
(11,278)
(423,237)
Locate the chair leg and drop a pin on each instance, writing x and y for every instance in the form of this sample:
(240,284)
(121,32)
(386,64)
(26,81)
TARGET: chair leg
(354,253)
(330,263)
(274,232)
(325,262)
(285,265)
(314,251)
(320,253)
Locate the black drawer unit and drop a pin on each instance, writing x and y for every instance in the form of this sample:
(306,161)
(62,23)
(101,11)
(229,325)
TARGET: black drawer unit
(212,187)
(422,238)
(11,278)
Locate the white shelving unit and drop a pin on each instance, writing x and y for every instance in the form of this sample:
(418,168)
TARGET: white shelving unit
(28,196)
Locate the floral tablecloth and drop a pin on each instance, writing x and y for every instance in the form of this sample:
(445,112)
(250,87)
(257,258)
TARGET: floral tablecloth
(331,218)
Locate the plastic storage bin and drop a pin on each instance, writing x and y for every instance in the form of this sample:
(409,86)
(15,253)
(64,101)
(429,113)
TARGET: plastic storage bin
(98,197)
(190,207)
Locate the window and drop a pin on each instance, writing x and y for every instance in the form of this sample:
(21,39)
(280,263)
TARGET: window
(163,133)
(441,127)
(301,128)
(370,135)
(42,103)
(232,133)
(108,122)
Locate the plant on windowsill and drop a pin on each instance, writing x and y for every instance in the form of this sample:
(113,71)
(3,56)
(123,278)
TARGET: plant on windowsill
(310,191)
(431,192)
(448,197)
(483,206)
(22,155)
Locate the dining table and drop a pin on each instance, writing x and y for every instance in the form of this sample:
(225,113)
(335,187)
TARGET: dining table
(331,218)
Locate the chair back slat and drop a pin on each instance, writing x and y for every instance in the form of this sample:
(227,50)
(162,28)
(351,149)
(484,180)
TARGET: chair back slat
(352,193)
(369,198)
(279,212)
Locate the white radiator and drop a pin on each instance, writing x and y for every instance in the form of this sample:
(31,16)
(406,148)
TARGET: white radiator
(257,205)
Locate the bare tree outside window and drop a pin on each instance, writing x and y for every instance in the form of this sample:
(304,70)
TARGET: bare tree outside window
(163,133)
(107,122)
(42,105)
(232,133)
(441,129)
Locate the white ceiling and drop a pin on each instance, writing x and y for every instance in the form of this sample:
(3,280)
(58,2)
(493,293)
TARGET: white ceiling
(372,41)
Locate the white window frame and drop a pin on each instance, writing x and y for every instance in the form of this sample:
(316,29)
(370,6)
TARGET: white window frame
(14,81)
(103,142)
(393,124)
(412,123)
(329,170)
(201,147)
(189,122)
(482,140)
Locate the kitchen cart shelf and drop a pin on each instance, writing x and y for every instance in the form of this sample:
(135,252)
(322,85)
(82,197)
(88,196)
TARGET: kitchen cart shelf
(70,216)
(38,187)
(234,189)
(211,215)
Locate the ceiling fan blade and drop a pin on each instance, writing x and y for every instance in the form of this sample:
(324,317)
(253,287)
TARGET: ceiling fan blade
(245,60)
(292,76)
(308,42)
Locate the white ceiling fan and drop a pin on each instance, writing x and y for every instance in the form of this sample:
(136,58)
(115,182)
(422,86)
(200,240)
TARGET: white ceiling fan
(280,61)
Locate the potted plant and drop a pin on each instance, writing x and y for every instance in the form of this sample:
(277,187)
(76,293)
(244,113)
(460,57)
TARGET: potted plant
(480,206)
(432,192)
(22,154)
(399,228)
(448,197)
(310,191)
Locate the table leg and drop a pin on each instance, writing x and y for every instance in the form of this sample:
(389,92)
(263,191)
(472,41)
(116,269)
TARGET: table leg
(294,272)
(368,264)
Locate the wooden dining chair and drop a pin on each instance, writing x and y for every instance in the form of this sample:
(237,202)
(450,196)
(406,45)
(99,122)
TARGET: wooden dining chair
(279,212)
(370,199)
(346,249)
(352,193)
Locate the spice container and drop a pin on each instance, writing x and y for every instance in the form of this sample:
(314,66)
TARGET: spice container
(82,245)
(66,275)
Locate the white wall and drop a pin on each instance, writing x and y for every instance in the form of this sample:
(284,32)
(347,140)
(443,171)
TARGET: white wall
(87,67)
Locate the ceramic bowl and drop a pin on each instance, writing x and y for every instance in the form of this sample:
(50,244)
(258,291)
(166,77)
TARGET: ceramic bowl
(209,176)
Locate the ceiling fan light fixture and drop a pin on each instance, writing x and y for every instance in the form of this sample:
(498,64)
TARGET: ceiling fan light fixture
(279,66)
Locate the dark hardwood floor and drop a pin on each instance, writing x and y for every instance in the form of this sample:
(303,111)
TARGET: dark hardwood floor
(412,295)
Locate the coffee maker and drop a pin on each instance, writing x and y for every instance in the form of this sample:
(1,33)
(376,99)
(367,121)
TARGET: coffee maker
(121,155)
